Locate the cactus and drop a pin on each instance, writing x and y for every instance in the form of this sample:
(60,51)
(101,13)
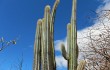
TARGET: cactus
(37,47)
(44,56)
(72,48)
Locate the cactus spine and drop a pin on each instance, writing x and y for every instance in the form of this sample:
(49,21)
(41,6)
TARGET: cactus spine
(44,56)
(72,49)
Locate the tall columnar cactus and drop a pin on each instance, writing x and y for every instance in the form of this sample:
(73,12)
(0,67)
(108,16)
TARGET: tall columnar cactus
(44,56)
(72,48)
(37,47)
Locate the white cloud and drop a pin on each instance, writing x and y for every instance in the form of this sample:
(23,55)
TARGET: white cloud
(98,29)
(105,1)
(61,62)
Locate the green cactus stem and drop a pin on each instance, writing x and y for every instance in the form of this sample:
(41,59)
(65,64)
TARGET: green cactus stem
(72,48)
(46,48)
(37,44)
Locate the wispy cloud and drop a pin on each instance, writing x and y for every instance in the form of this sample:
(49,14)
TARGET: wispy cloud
(61,62)
(106,1)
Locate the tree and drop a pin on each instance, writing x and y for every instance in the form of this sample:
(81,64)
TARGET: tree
(5,44)
(98,45)
(19,64)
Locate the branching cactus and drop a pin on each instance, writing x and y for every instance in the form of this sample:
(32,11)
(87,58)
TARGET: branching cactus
(44,56)
(72,48)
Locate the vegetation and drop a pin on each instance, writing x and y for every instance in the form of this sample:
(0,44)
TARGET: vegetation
(44,56)
(72,48)
(5,44)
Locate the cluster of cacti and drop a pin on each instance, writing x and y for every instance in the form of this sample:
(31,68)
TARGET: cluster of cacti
(72,48)
(44,56)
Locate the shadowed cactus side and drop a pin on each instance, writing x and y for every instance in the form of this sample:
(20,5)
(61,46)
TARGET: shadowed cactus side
(44,56)
(72,48)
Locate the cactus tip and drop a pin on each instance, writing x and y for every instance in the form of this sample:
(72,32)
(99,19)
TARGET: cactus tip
(39,21)
(47,8)
(62,47)
(57,1)
(69,26)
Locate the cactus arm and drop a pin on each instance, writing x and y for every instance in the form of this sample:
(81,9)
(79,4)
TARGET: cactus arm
(50,47)
(74,36)
(81,65)
(34,63)
(69,48)
(52,29)
(69,39)
(46,38)
(52,18)
(64,53)
(54,11)
(43,45)
(37,47)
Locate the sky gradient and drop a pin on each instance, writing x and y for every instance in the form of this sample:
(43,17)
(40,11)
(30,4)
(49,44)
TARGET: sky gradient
(18,20)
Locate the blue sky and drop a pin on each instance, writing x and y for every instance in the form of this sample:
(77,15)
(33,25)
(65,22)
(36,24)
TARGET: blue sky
(18,20)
